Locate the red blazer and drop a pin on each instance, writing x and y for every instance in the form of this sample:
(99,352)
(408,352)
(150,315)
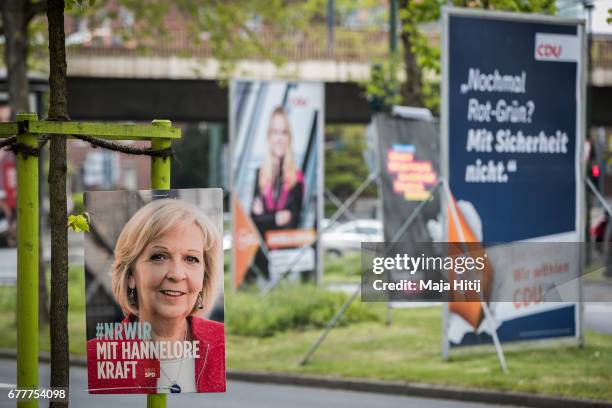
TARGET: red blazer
(209,368)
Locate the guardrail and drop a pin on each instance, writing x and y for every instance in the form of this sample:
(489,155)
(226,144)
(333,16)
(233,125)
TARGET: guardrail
(349,45)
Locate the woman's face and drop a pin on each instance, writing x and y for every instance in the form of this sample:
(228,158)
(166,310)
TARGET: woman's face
(278,135)
(169,273)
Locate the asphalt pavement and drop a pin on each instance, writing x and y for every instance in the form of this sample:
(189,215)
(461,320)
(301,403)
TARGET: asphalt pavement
(598,317)
(239,395)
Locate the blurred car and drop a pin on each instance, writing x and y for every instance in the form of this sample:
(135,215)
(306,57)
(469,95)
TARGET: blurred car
(347,237)
(324,223)
(227,241)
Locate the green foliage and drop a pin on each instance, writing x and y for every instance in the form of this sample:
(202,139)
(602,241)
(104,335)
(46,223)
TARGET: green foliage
(345,167)
(79,223)
(346,268)
(292,307)
(192,152)
(76,314)
(77,203)
(427,55)
(408,350)
(231,29)
(343,9)
(70,4)
(414,14)
(382,88)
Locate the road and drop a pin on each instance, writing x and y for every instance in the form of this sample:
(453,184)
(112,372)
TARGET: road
(239,395)
(598,307)
(8,257)
(598,317)
(8,266)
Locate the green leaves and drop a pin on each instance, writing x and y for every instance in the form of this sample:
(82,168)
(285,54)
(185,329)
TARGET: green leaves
(79,223)
(70,4)
(382,88)
(345,167)
(417,15)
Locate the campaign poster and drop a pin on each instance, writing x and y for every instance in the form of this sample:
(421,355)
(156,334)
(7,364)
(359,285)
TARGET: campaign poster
(8,218)
(276,132)
(408,158)
(154,291)
(512,126)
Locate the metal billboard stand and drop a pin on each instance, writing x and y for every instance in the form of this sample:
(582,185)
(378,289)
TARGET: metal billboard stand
(334,321)
(488,316)
(485,308)
(450,124)
(334,218)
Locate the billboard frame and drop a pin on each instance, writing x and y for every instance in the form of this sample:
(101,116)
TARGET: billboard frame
(318,275)
(581,132)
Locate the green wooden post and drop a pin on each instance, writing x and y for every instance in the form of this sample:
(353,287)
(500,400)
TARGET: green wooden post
(160,180)
(27,263)
(160,166)
(28,127)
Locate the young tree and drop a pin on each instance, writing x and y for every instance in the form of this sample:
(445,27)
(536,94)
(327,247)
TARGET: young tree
(15,18)
(230,38)
(422,60)
(58,208)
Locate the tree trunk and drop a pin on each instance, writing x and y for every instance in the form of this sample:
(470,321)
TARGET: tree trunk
(58,110)
(412,90)
(15,19)
(14,22)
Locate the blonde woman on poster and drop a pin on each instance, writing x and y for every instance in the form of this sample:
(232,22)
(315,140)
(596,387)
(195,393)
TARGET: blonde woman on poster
(164,277)
(279,185)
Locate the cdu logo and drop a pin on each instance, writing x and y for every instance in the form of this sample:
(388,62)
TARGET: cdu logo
(552,51)
(557,47)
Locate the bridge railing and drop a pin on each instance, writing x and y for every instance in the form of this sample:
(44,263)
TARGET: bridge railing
(348,45)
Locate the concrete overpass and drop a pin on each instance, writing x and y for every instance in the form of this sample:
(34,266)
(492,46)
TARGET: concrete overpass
(141,88)
(601,81)
(119,83)
(110,82)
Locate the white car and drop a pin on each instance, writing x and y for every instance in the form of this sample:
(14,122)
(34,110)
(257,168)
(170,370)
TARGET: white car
(348,236)
(227,242)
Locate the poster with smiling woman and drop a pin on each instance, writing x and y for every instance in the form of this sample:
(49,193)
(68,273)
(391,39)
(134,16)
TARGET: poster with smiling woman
(276,134)
(154,291)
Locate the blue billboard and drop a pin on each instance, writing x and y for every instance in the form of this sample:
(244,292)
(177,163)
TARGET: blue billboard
(512,134)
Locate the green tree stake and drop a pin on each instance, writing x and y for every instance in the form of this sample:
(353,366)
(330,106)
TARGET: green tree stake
(160,180)
(27,263)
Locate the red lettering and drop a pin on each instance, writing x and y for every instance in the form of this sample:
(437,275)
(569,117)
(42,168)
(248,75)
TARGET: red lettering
(527,296)
(556,51)
(548,50)
(298,101)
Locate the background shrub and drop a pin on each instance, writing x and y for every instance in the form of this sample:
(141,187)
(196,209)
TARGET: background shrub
(291,307)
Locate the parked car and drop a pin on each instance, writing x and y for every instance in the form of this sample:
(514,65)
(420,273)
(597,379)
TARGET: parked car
(227,241)
(347,237)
